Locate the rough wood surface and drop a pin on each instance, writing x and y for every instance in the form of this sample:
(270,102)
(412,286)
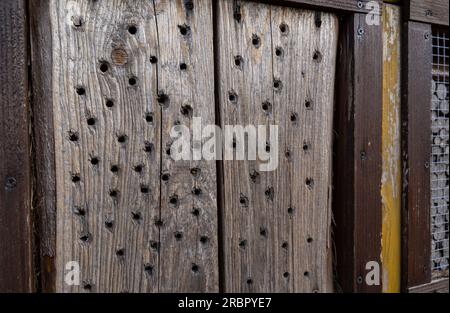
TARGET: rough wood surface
(357,205)
(112,62)
(16,270)
(428,11)
(43,140)
(276,229)
(416,151)
(341,5)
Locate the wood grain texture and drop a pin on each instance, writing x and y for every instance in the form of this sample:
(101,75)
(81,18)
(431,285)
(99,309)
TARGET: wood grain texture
(16,269)
(428,11)
(340,5)
(275,227)
(416,151)
(357,205)
(43,140)
(391,189)
(189,259)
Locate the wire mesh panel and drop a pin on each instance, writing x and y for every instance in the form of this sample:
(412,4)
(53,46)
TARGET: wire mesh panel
(440,155)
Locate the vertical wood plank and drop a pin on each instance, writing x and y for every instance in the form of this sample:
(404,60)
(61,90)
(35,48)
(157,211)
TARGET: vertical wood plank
(391,189)
(43,139)
(189,259)
(107,138)
(17,273)
(416,151)
(272,241)
(357,205)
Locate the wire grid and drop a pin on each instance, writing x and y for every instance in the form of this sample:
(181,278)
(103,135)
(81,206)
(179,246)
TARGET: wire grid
(440,155)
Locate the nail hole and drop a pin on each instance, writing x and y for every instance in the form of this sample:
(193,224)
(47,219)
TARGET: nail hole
(249,281)
(184,29)
(284,28)
(204,239)
(279,52)
(243,243)
(243,200)
(85,237)
(132,29)
(286,274)
(263,232)
(148,269)
(109,224)
(290,211)
(308,104)
(153,59)
(277,84)
(294,117)
(122,138)
(309,240)
(120,252)
(87,286)
(91,121)
(238,61)
(232,97)
(76,178)
(284,245)
(149,117)
(256,41)
(145,189)
(109,103)
(81,91)
(195,268)
(178,235)
(165,177)
(305,147)
(173,200)
(183,66)
(136,216)
(317,56)
(138,168)
(132,81)
(95,161)
(267,107)
(195,212)
(154,245)
(162,98)
(309,182)
(306,274)
(79,211)
(113,193)
(287,154)
(104,67)
(195,171)
(148,147)
(114,168)
(73,136)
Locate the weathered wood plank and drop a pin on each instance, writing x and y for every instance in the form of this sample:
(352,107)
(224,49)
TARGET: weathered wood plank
(107,134)
(17,273)
(391,188)
(43,139)
(416,151)
(273,240)
(189,253)
(341,5)
(428,11)
(357,205)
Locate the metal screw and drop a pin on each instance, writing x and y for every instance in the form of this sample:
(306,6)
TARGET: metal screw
(360,31)
(360,4)
(359,280)
(429,13)
(426,36)
(427,164)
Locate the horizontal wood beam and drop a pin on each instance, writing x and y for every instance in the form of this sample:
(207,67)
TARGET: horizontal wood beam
(355,6)
(428,11)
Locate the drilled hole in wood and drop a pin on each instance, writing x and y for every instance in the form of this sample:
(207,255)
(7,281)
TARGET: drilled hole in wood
(153,59)
(148,147)
(232,97)
(286,274)
(243,200)
(162,98)
(186,110)
(80,90)
(195,268)
(120,252)
(189,5)
(104,66)
(91,121)
(178,235)
(173,200)
(132,81)
(86,237)
(242,243)
(284,28)
(306,147)
(73,136)
(148,269)
(87,286)
(306,274)
(136,216)
(238,61)
(113,193)
(109,103)
(204,239)
(277,84)
(76,178)
(290,211)
(308,104)
(317,56)
(154,245)
(195,171)
(195,212)
(196,191)
(114,168)
(145,189)
(122,138)
(183,66)
(279,52)
(263,232)
(309,183)
(249,281)
(95,161)
(79,211)
(266,107)
(149,117)
(109,224)
(165,177)
(256,41)
(309,240)
(269,193)
(184,29)
(138,168)
(132,29)
(284,245)
(294,117)
(287,154)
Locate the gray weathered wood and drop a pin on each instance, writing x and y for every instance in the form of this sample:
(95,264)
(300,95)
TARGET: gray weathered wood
(276,229)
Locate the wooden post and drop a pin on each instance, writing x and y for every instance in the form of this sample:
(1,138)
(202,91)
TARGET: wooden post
(16,270)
